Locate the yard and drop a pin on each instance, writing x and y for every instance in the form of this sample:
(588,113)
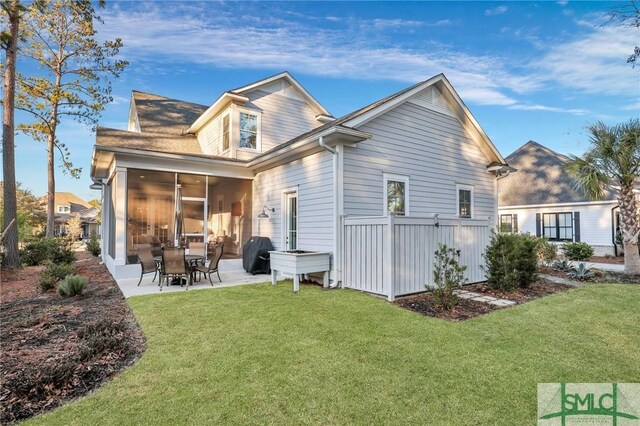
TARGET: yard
(261,354)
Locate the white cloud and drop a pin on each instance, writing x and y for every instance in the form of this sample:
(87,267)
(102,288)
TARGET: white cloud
(496,11)
(574,111)
(395,23)
(592,64)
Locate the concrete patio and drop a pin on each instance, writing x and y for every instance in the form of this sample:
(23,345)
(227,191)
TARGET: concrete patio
(231,273)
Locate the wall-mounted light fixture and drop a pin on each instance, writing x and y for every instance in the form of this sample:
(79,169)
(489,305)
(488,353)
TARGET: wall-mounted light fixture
(264,214)
(436,223)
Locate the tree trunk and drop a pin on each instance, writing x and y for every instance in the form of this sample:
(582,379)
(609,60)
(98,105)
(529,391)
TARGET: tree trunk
(11,259)
(51,188)
(630,229)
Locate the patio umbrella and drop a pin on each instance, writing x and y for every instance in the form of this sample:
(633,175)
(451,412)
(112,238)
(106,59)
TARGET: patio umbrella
(179,218)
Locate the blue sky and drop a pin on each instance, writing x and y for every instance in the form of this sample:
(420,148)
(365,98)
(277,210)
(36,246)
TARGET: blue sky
(527,70)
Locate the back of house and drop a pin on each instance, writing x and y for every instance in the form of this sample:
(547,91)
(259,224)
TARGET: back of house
(268,159)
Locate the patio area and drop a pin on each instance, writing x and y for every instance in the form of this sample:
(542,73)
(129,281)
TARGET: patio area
(231,273)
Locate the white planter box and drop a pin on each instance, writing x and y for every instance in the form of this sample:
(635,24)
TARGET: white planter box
(298,262)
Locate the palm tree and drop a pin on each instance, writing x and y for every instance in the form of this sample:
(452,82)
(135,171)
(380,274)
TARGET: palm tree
(613,161)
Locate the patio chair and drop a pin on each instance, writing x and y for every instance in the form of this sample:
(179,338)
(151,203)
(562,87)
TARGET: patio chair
(174,265)
(147,263)
(213,265)
(199,249)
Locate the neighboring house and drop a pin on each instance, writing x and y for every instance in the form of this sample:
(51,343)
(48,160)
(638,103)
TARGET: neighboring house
(67,206)
(542,199)
(270,149)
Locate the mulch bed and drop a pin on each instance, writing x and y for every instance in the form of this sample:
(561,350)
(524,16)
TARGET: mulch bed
(56,348)
(613,260)
(600,276)
(465,309)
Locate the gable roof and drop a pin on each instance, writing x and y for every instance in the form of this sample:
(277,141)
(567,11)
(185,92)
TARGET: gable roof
(75,203)
(321,110)
(351,121)
(159,114)
(541,179)
(463,113)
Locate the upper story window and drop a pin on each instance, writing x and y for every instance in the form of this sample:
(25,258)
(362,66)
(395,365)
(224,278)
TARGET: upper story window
(396,194)
(557,226)
(226,131)
(64,209)
(248,130)
(465,200)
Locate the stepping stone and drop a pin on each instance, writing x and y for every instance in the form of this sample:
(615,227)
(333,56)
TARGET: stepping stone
(502,302)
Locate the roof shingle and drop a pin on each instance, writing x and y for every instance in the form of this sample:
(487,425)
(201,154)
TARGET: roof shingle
(540,179)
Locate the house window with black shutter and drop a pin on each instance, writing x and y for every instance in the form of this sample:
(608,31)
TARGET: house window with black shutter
(557,226)
(509,223)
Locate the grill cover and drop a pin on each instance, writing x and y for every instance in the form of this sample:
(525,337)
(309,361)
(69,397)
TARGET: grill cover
(255,255)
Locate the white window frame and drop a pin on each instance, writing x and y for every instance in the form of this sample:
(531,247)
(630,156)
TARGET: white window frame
(284,215)
(230,133)
(386,177)
(258,147)
(465,187)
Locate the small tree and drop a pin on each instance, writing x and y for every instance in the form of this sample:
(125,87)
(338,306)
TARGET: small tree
(448,275)
(74,80)
(613,162)
(74,227)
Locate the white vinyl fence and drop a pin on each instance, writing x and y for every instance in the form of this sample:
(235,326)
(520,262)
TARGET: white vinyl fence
(400,262)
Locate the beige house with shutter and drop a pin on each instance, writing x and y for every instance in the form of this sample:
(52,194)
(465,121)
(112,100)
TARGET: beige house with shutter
(542,199)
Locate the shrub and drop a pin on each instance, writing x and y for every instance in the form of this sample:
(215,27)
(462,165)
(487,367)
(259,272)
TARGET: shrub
(55,250)
(93,246)
(562,265)
(448,274)
(52,274)
(73,285)
(511,260)
(581,273)
(527,259)
(577,251)
(547,251)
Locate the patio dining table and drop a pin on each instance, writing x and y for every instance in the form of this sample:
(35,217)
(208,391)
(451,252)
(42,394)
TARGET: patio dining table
(190,259)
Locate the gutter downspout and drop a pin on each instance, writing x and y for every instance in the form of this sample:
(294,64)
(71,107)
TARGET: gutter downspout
(336,216)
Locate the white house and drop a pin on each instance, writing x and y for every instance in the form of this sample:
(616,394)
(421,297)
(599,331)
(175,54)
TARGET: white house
(542,199)
(325,184)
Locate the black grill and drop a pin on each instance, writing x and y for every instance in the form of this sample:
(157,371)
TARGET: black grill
(255,255)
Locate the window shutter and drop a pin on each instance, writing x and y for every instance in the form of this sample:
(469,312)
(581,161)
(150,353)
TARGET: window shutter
(514,223)
(538,225)
(576,226)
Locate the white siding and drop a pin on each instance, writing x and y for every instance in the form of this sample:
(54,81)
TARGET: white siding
(402,263)
(312,176)
(432,149)
(595,222)
(283,117)
(210,137)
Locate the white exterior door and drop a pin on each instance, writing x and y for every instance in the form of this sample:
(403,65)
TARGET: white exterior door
(290,221)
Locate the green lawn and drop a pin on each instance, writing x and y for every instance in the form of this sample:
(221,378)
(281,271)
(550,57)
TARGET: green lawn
(262,355)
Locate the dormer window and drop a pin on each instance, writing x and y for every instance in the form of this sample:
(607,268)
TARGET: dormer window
(248,130)
(63,209)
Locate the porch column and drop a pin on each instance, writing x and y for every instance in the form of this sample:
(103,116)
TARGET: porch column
(120,208)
